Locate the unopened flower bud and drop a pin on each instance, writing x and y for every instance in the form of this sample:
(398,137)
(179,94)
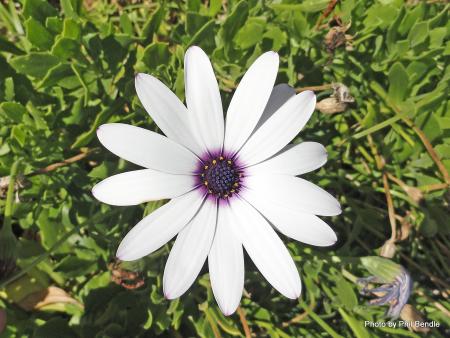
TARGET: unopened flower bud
(331,105)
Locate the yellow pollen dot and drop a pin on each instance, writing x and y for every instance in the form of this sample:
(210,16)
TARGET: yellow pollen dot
(206,183)
(240,175)
(229,162)
(226,195)
(232,191)
(205,167)
(210,191)
(203,175)
(236,185)
(214,162)
(221,158)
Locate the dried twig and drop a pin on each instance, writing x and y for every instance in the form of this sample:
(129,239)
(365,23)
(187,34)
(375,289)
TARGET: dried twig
(70,160)
(390,204)
(380,166)
(315,88)
(326,12)
(298,318)
(433,187)
(428,146)
(241,313)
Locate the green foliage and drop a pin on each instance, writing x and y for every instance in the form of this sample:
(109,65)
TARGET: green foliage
(68,66)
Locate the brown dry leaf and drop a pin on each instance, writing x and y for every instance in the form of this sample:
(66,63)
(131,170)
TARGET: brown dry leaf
(414,193)
(406,226)
(337,37)
(50,295)
(411,315)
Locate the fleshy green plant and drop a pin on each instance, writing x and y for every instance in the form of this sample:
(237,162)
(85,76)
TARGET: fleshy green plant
(380,69)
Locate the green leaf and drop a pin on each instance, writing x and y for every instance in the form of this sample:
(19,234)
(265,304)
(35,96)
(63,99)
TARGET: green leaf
(345,293)
(55,74)
(234,22)
(13,110)
(194,21)
(429,125)
(153,23)
(65,48)
(18,134)
(37,34)
(34,64)
(214,7)
(437,37)
(71,29)
(68,9)
(156,54)
(411,17)
(355,324)
(278,37)
(250,34)
(308,6)
(126,24)
(398,82)
(38,9)
(418,33)
(9,47)
(73,266)
(54,24)
(204,37)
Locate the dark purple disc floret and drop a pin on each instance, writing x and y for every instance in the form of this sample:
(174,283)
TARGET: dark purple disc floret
(220,176)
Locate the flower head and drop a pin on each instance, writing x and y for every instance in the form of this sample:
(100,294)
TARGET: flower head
(231,182)
(396,288)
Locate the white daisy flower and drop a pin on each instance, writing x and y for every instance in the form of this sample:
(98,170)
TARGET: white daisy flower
(231,183)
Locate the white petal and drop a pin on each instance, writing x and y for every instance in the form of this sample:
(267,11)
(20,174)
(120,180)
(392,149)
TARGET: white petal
(298,225)
(203,99)
(147,148)
(166,110)
(226,264)
(266,249)
(139,186)
(190,251)
(296,160)
(249,100)
(279,96)
(279,129)
(159,227)
(294,193)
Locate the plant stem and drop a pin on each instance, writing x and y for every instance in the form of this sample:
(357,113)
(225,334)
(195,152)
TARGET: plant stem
(10,198)
(320,321)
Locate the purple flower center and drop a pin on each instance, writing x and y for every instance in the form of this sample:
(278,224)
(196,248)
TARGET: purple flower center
(221,177)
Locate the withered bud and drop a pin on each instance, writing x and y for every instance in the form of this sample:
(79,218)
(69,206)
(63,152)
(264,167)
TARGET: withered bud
(336,37)
(388,249)
(4,182)
(411,315)
(342,93)
(331,105)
